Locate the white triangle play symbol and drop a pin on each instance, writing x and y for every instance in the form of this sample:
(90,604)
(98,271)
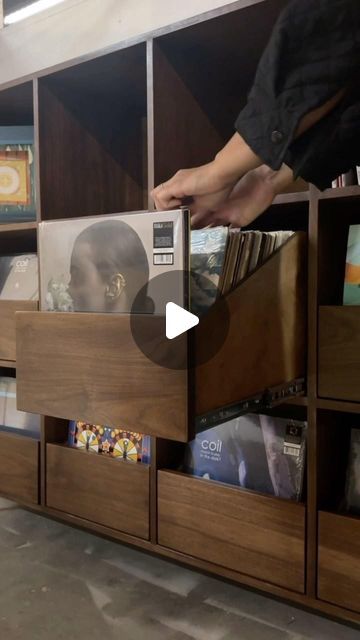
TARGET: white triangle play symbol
(178,320)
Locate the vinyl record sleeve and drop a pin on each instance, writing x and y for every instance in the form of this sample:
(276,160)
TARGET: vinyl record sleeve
(101,263)
(19,277)
(254,452)
(117,443)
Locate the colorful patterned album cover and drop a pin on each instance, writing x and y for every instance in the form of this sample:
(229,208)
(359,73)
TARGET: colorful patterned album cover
(352,270)
(17,185)
(256,452)
(118,443)
(109,264)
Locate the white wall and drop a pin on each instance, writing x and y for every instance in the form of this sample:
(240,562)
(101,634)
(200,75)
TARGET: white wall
(77,27)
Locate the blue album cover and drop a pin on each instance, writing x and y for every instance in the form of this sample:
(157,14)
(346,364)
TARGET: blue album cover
(256,452)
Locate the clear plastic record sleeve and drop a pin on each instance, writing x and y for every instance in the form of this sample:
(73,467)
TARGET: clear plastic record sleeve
(257,452)
(106,264)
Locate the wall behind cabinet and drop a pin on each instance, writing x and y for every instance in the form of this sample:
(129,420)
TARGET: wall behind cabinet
(78,27)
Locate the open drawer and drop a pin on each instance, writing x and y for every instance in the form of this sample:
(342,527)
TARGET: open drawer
(8,308)
(19,468)
(257,535)
(88,366)
(339,353)
(339,560)
(100,489)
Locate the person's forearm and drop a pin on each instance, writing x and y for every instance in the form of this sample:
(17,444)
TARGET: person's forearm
(234,160)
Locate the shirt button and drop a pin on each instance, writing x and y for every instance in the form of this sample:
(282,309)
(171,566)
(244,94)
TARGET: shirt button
(277,137)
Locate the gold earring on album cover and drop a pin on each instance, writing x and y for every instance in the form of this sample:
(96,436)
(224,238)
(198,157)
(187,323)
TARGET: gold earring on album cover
(116,286)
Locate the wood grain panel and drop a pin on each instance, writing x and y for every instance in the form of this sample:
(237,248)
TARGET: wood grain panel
(19,468)
(92,128)
(109,492)
(339,353)
(266,341)
(256,535)
(339,560)
(87,367)
(8,308)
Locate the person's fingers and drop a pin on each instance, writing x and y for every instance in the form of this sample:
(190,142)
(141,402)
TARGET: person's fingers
(233,212)
(168,195)
(201,219)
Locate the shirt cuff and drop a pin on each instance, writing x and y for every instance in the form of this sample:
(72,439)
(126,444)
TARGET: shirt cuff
(269,134)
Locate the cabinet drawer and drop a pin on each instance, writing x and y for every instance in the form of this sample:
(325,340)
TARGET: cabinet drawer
(339,353)
(19,468)
(8,309)
(339,560)
(88,367)
(257,535)
(110,492)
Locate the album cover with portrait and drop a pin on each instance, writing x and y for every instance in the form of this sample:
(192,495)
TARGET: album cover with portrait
(109,264)
(17,184)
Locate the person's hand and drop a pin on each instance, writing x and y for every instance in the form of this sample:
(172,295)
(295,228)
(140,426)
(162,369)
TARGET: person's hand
(251,196)
(202,188)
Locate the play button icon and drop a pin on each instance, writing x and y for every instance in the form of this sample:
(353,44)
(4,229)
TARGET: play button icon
(178,320)
(168,334)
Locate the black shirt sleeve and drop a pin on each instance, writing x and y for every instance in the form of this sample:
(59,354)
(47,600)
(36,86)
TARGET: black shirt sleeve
(314,51)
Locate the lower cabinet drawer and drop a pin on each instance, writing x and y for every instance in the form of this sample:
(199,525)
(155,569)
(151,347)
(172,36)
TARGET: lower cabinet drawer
(109,492)
(339,560)
(19,468)
(260,536)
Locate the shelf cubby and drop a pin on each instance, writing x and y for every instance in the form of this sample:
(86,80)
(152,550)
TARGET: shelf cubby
(196,71)
(257,535)
(17,105)
(93,136)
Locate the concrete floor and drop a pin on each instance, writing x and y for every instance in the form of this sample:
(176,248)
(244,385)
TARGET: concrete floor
(58,583)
